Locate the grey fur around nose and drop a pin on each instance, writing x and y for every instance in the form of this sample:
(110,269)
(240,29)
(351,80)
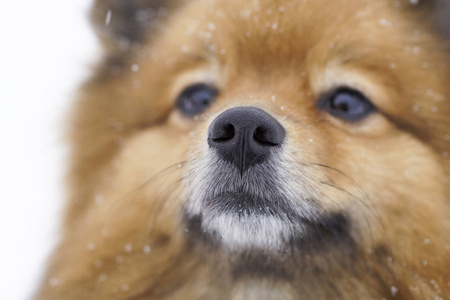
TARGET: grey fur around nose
(245,136)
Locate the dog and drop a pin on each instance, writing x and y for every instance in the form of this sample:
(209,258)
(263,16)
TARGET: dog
(261,149)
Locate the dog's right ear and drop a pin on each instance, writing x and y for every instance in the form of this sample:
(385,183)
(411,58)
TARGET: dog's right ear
(435,12)
(122,25)
(442,8)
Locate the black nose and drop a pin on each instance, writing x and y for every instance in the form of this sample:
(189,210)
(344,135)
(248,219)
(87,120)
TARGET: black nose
(245,136)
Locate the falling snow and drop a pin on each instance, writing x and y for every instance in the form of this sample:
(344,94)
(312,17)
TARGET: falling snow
(385,23)
(135,67)
(54,281)
(147,249)
(211,26)
(394,290)
(108,18)
(90,246)
(128,248)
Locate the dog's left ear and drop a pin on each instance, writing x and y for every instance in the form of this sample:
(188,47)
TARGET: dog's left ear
(123,24)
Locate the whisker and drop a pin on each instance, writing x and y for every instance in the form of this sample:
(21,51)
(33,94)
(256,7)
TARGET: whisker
(132,196)
(363,193)
(175,186)
(367,203)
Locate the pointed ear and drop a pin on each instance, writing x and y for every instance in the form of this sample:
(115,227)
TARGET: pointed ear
(442,17)
(122,25)
(437,12)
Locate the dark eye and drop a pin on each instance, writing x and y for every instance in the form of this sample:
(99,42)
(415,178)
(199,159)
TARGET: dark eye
(347,104)
(196,98)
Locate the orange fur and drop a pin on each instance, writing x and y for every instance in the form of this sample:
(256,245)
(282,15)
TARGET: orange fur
(124,237)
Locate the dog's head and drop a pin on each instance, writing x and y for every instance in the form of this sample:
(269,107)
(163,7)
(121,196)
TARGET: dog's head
(295,139)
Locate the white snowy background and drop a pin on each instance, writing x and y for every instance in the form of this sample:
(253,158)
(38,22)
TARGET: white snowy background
(46,48)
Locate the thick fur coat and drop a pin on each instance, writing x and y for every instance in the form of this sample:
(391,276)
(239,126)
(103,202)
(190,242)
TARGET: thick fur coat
(346,200)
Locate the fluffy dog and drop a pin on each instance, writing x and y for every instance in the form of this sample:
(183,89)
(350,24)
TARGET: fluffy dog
(266,149)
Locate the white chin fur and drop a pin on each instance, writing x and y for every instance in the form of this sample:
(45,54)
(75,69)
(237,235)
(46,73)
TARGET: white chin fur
(251,232)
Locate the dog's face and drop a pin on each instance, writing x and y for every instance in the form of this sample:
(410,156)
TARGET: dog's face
(300,145)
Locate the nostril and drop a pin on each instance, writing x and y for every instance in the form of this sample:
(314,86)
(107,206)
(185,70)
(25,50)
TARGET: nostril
(266,137)
(261,136)
(223,133)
